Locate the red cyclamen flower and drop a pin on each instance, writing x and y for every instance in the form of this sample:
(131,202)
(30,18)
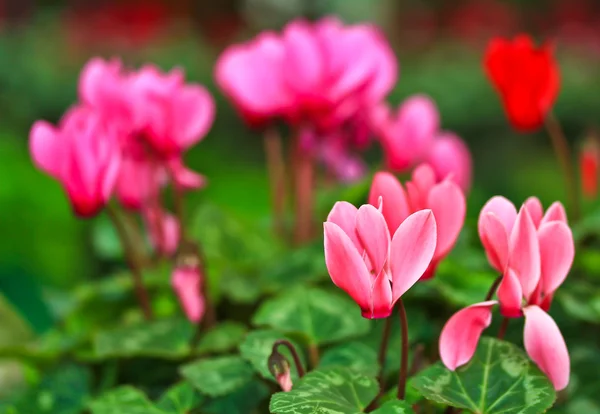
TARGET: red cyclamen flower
(526,77)
(445,199)
(534,252)
(589,164)
(374,269)
(82,153)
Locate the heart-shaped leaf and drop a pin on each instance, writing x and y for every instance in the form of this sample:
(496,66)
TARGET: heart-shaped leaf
(498,379)
(353,355)
(180,399)
(244,400)
(222,338)
(218,376)
(125,400)
(322,316)
(257,347)
(166,338)
(331,390)
(394,407)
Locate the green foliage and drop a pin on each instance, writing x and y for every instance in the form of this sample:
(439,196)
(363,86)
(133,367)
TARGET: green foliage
(394,407)
(333,390)
(222,338)
(218,376)
(320,316)
(354,355)
(498,379)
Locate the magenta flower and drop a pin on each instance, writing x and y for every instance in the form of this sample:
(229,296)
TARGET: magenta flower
(534,252)
(163,230)
(412,135)
(187,283)
(373,269)
(82,153)
(445,199)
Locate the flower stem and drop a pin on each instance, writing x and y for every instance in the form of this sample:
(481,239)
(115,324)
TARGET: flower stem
(385,339)
(294,353)
(503,327)
(563,154)
(276,168)
(493,288)
(313,355)
(133,261)
(404,355)
(304,192)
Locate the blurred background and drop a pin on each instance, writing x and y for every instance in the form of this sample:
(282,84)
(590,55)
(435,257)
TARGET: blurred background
(43,45)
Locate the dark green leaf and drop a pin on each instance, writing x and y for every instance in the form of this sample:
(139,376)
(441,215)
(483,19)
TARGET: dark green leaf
(257,347)
(222,338)
(242,401)
(218,376)
(124,400)
(394,407)
(353,355)
(63,391)
(332,390)
(180,399)
(167,338)
(323,317)
(499,379)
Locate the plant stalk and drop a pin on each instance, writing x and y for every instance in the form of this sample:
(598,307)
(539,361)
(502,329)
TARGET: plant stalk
(132,258)
(493,288)
(276,168)
(294,353)
(503,327)
(304,192)
(404,355)
(564,156)
(383,346)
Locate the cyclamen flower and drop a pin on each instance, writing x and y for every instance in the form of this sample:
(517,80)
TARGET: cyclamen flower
(187,283)
(526,77)
(412,136)
(589,165)
(534,252)
(374,269)
(445,199)
(82,153)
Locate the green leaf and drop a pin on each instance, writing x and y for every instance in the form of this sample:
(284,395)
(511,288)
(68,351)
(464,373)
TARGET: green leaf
(257,347)
(242,401)
(218,376)
(332,390)
(323,317)
(353,355)
(166,338)
(581,301)
(498,379)
(394,407)
(63,391)
(222,338)
(180,399)
(124,400)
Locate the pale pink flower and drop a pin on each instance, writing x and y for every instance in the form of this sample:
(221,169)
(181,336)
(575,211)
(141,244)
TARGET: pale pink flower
(187,283)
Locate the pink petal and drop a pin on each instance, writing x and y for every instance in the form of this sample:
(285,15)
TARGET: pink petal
(448,204)
(546,347)
(304,60)
(411,251)
(536,211)
(395,204)
(373,233)
(185,177)
(524,252)
(187,283)
(381,297)
(556,212)
(163,229)
(557,251)
(510,295)
(194,112)
(503,209)
(460,335)
(344,215)
(423,177)
(285,381)
(346,267)
(48,148)
(494,239)
(450,157)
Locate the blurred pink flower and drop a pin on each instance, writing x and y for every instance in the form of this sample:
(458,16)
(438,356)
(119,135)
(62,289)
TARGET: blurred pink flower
(187,283)
(534,252)
(445,199)
(373,269)
(82,153)
(163,230)
(412,135)
(285,381)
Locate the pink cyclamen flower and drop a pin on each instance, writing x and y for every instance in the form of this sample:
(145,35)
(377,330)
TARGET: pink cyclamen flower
(285,381)
(374,269)
(82,153)
(163,230)
(187,283)
(535,252)
(170,114)
(445,199)
(449,156)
